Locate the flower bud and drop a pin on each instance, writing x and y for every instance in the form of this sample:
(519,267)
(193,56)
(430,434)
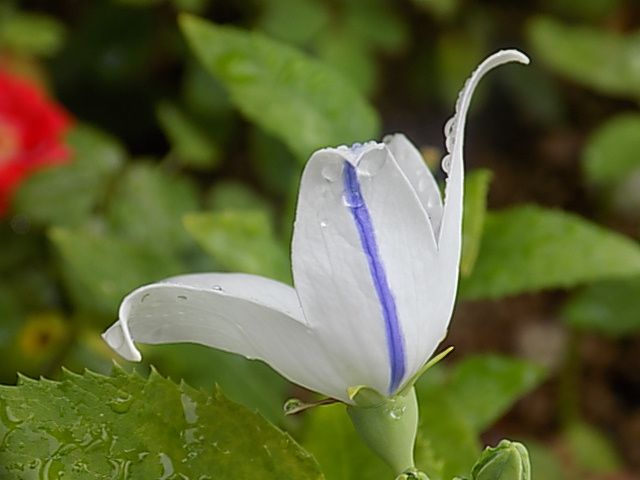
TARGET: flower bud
(389,427)
(508,461)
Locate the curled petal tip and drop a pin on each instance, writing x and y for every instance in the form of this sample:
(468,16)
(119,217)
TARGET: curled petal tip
(119,339)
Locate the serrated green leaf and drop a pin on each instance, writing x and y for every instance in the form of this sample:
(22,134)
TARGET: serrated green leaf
(299,100)
(330,437)
(529,248)
(484,387)
(251,383)
(476,187)
(610,308)
(147,206)
(599,59)
(65,195)
(94,427)
(611,154)
(100,269)
(241,241)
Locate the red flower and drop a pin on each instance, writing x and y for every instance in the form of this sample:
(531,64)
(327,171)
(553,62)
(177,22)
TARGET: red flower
(31,133)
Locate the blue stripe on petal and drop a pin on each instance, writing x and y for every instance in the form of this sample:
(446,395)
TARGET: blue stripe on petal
(395,344)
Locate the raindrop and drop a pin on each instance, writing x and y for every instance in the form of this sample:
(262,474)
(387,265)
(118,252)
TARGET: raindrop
(122,404)
(182,297)
(332,171)
(353,199)
(217,288)
(189,407)
(323,224)
(372,163)
(144,297)
(397,411)
(292,406)
(167,466)
(446,163)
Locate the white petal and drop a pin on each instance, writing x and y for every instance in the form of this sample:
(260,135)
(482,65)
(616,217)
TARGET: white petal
(245,314)
(339,291)
(417,172)
(449,243)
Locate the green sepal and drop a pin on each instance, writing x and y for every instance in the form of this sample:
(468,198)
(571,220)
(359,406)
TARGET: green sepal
(508,461)
(388,428)
(432,362)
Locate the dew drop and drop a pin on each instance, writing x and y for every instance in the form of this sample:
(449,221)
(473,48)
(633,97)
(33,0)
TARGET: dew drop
(217,288)
(372,163)
(144,297)
(182,297)
(292,405)
(167,466)
(352,199)
(332,171)
(189,408)
(446,163)
(323,224)
(121,404)
(397,411)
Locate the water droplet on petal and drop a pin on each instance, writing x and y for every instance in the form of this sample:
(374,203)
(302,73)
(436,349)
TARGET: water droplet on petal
(217,288)
(182,297)
(323,224)
(332,171)
(372,163)
(352,199)
(446,163)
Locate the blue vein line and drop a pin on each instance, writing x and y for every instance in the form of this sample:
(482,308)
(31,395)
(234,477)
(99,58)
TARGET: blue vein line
(362,218)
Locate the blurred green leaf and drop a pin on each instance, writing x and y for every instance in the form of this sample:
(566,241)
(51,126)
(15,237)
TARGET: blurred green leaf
(457,53)
(611,153)
(233,195)
(100,269)
(147,206)
(544,463)
(274,164)
(441,9)
(452,444)
(610,308)
(249,382)
(296,98)
(350,56)
(330,437)
(241,241)
(599,59)
(190,143)
(311,17)
(476,187)
(529,248)
(30,33)
(591,450)
(594,10)
(376,24)
(125,426)
(67,194)
(484,387)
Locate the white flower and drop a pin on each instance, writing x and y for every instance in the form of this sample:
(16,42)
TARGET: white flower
(375,258)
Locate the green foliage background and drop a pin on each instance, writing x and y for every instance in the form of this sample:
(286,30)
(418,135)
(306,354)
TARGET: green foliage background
(193,120)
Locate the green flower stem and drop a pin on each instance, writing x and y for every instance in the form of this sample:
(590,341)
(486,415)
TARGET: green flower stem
(389,428)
